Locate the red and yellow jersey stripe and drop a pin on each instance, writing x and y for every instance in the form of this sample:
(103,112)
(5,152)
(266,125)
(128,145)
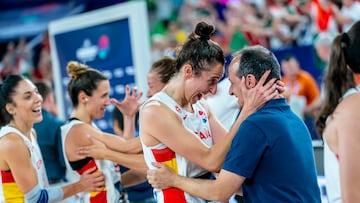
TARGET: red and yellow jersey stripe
(11,191)
(168,157)
(95,197)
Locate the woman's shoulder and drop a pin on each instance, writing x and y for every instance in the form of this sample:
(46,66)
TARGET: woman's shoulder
(348,109)
(80,131)
(154,108)
(11,142)
(351,101)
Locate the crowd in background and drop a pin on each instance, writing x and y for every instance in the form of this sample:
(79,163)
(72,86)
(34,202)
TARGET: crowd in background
(275,24)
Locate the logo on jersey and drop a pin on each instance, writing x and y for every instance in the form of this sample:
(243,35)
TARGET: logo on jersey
(202,116)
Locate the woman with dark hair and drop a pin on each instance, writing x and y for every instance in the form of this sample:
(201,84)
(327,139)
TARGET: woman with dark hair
(177,127)
(338,121)
(23,176)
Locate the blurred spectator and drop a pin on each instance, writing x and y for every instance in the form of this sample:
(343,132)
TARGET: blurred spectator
(23,57)
(280,35)
(176,32)
(158,46)
(9,61)
(347,15)
(322,46)
(322,17)
(49,135)
(43,69)
(17,59)
(301,91)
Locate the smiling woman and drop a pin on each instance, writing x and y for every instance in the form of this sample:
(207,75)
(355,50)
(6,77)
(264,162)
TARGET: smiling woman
(89,91)
(20,109)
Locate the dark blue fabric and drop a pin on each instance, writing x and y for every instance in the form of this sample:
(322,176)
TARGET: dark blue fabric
(49,139)
(273,151)
(44,197)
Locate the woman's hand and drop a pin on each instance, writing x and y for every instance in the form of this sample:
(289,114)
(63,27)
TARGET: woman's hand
(96,150)
(130,104)
(92,180)
(161,178)
(256,97)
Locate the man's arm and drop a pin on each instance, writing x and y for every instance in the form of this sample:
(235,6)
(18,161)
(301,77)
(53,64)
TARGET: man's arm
(221,189)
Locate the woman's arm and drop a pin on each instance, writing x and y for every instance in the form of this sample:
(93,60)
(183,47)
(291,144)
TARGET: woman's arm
(112,141)
(128,107)
(17,156)
(116,143)
(347,131)
(160,123)
(99,151)
(18,160)
(90,181)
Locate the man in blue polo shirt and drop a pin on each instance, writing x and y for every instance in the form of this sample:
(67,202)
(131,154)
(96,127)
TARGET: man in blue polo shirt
(271,158)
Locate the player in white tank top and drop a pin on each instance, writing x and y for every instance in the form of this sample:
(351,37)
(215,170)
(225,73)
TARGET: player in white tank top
(197,123)
(331,164)
(35,156)
(104,166)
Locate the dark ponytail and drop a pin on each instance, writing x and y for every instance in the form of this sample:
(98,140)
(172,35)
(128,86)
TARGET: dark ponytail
(351,42)
(337,80)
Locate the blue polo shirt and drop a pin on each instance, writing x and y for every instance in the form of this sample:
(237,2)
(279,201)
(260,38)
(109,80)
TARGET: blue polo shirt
(273,151)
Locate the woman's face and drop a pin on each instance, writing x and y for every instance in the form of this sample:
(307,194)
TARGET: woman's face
(154,83)
(99,100)
(198,86)
(27,103)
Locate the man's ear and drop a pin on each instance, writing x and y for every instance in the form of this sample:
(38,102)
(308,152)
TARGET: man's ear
(250,81)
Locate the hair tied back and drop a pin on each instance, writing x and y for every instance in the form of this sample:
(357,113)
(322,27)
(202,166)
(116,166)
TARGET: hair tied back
(205,37)
(204,30)
(345,40)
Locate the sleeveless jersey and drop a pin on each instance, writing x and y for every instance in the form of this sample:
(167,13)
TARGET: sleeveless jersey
(331,163)
(9,191)
(109,194)
(196,122)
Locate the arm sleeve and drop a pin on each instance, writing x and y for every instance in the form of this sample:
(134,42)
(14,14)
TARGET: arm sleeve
(50,195)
